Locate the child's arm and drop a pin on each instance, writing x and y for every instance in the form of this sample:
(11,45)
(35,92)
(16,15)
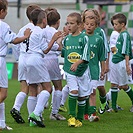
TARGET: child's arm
(128,68)
(21,39)
(75,65)
(102,70)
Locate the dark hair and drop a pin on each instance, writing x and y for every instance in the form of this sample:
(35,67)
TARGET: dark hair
(30,8)
(120,17)
(37,15)
(101,6)
(49,9)
(3,4)
(77,15)
(52,17)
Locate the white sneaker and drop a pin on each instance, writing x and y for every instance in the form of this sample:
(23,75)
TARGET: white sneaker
(57,117)
(94,118)
(6,128)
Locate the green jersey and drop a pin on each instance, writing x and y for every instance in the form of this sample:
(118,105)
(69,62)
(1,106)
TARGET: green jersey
(97,55)
(123,46)
(99,31)
(75,48)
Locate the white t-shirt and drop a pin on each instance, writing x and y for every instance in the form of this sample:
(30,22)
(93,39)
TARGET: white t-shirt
(37,41)
(6,36)
(21,48)
(53,53)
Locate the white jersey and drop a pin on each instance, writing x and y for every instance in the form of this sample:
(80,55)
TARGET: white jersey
(37,41)
(53,53)
(23,46)
(6,36)
(112,41)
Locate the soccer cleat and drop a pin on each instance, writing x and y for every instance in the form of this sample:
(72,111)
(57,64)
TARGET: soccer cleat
(86,117)
(32,123)
(94,118)
(78,123)
(101,109)
(63,108)
(71,122)
(131,109)
(6,128)
(36,119)
(112,110)
(119,108)
(57,117)
(17,116)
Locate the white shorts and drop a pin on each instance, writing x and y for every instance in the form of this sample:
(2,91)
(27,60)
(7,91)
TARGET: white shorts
(22,70)
(36,70)
(101,82)
(81,84)
(93,85)
(53,68)
(118,74)
(3,73)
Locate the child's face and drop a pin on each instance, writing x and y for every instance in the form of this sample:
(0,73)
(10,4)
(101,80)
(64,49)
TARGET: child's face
(72,25)
(117,26)
(3,14)
(90,25)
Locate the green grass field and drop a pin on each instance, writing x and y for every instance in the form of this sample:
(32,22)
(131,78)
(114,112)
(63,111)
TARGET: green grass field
(121,122)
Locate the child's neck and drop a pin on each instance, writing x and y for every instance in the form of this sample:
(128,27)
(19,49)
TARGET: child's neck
(76,33)
(123,29)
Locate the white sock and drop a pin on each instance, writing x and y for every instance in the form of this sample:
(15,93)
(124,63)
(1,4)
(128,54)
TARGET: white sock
(108,95)
(41,102)
(2,115)
(65,93)
(53,89)
(56,101)
(31,104)
(19,100)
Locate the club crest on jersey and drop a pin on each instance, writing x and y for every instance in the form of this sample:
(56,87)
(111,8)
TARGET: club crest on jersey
(73,57)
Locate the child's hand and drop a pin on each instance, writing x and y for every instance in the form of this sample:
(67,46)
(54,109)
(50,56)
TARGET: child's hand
(57,35)
(129,71)
(102,76)
(27,32)
(73,67)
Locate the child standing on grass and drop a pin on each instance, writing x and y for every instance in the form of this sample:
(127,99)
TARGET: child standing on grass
(121,69)
(97,56)
(36,69)
(23,48)
(100,82)
(6,36)
(52,64)
(76,51)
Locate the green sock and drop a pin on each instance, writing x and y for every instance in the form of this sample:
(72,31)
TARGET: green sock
(86,106)
(114,95)
(91,110)
(102,99)
(81,108)
(72,102)
(129,92)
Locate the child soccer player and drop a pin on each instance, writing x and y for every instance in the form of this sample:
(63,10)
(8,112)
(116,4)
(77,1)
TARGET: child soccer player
(36,69)
(120,61)
(6,36)
(100,83)
(76,51)
(51,62)
(97,55)
(23,48)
